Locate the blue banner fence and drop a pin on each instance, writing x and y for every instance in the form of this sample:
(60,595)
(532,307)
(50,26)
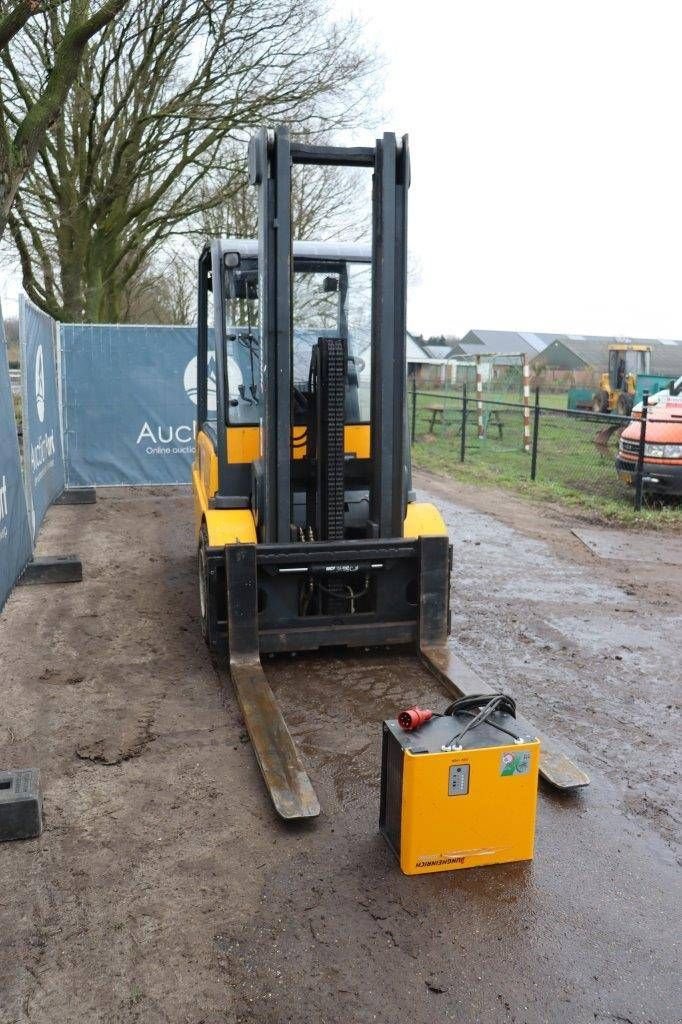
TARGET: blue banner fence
(15,533)
(41,415)
(102,405)
(129,398)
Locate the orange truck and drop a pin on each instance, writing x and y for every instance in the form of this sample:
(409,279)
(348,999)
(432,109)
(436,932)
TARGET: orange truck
(662,466)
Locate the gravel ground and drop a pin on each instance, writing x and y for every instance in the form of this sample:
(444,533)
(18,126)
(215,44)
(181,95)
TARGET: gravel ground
(164,890)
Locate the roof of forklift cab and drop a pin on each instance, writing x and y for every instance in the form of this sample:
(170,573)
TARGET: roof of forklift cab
(350,251)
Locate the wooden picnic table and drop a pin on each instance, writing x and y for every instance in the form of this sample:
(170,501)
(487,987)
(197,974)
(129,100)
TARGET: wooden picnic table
(491,419)
(436,411)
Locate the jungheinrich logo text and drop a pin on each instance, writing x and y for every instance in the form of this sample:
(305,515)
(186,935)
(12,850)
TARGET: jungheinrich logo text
(439,859)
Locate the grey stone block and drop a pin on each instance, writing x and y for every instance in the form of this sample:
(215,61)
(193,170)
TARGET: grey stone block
(21,804)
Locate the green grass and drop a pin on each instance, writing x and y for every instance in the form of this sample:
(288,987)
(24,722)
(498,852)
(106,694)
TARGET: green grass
(548,401)
(572,469)
(136,995)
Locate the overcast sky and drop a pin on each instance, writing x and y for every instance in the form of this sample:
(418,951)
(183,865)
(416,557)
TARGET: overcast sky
(546,160)
(546,140)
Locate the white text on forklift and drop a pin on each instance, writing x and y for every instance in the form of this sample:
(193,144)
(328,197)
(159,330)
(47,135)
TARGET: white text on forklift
(168,440)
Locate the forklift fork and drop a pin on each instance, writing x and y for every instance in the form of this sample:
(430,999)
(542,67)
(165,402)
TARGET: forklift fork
(455,675)
(556,767)
(283,772)
(280,763)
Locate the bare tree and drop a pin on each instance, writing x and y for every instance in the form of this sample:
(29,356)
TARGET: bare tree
(327,202)
(152,134)
(26,114)
(164,292)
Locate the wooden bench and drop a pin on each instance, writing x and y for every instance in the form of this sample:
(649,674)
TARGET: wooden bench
(436,415)
(492,419)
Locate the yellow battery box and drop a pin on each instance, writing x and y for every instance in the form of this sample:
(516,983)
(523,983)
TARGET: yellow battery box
(444,808)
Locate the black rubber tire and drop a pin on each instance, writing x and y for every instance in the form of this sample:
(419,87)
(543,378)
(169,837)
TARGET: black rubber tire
(204,590)
(600,402)
(624,404)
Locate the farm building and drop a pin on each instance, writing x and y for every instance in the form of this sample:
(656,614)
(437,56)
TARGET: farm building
(430,361)
(501,343)
(496,353)
(566,359)
(579,359)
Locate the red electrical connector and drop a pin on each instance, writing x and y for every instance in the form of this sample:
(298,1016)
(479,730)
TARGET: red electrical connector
(413,718)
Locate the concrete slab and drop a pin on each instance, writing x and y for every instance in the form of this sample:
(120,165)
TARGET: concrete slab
(629,546)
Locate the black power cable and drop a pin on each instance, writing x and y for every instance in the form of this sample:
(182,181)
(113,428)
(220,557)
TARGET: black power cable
(481,707)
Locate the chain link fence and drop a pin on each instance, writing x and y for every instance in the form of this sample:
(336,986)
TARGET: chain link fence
(497,438)
(578,451)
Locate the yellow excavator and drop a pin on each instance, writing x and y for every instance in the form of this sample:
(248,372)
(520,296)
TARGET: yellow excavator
(618,385)
(308,532)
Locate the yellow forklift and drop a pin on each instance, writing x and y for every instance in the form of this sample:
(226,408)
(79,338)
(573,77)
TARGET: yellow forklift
(618,385)
(308,532)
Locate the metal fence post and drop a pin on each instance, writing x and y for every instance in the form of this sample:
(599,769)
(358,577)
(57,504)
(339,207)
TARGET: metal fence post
(463,432)
(536,431)
(414,406)
(639,483)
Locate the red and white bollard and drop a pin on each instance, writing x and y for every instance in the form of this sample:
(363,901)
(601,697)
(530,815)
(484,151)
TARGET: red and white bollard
(526,403)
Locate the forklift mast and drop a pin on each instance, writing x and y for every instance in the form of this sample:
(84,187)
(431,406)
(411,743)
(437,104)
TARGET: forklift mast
(285,563)
(271,157)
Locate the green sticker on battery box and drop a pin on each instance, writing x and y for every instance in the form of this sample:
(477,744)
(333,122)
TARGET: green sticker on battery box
(515,762)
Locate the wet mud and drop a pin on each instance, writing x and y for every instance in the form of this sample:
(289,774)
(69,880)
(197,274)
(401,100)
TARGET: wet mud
(164,889)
